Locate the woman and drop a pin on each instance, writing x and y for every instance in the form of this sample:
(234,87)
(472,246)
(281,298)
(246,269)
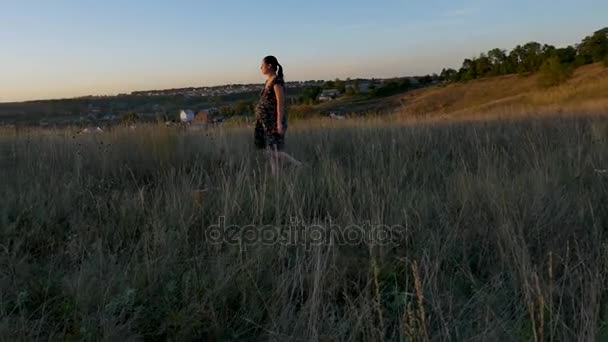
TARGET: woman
(271,117)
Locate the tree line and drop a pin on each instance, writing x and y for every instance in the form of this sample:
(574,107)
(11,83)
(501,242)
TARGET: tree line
(348,87)
(533,57)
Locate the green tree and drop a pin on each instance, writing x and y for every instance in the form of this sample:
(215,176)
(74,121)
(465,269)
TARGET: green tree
(498,60)
(387,89)
(547,51)
(424,80)
(483,66)
(243,107)
(448,75)
(357,86)
(532,56)
(516,58)
(310,95)
(566,55)
(594,48)
(553,72)
(405,84)
(396,86)
(372,86)
(226,110)
(340,85)
(468,71)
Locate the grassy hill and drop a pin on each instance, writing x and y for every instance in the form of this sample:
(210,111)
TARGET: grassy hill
(493,97)
(508,96)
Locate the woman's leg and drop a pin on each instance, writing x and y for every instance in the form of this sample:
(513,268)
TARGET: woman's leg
(286,157)
(274,160)
(278,158)
(275,143)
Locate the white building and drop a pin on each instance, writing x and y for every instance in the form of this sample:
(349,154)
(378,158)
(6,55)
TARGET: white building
(186,115)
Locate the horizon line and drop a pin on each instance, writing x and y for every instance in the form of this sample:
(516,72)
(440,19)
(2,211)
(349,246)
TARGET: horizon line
(195,87)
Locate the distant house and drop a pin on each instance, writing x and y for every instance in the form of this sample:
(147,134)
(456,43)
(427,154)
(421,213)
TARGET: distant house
(364,86)
(186,116)
(202,116)
(329,94)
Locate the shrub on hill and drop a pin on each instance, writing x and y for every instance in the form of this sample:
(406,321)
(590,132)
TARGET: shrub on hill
(553,72)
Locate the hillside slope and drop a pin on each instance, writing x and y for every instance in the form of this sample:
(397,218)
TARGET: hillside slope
(585,92)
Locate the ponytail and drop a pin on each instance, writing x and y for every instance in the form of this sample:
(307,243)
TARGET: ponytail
(279,71)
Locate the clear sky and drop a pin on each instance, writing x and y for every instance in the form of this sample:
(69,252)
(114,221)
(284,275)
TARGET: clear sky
(66,48)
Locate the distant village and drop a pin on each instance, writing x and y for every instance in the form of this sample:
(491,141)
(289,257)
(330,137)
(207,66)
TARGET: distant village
(363,85)
(223,90)
(214,114)
(200,105)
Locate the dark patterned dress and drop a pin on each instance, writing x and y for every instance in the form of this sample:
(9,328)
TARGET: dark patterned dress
(266,135)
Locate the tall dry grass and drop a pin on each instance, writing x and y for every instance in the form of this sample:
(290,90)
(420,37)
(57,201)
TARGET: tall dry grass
(503,233)
(507,97)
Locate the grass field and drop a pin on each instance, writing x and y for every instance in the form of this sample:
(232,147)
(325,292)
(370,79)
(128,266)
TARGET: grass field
(455,231)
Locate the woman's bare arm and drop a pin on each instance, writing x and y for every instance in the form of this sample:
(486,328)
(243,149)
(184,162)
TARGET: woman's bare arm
(280,94)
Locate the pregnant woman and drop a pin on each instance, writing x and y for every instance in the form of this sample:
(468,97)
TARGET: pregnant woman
(271,116)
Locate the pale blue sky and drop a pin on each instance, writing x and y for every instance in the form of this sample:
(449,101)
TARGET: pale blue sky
(67,48)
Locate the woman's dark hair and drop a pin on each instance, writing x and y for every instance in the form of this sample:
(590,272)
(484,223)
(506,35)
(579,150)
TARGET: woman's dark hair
(272,60)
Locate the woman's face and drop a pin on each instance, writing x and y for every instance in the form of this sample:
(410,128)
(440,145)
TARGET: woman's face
(266,68)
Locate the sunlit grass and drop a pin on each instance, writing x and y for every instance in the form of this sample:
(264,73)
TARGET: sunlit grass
(509,97)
